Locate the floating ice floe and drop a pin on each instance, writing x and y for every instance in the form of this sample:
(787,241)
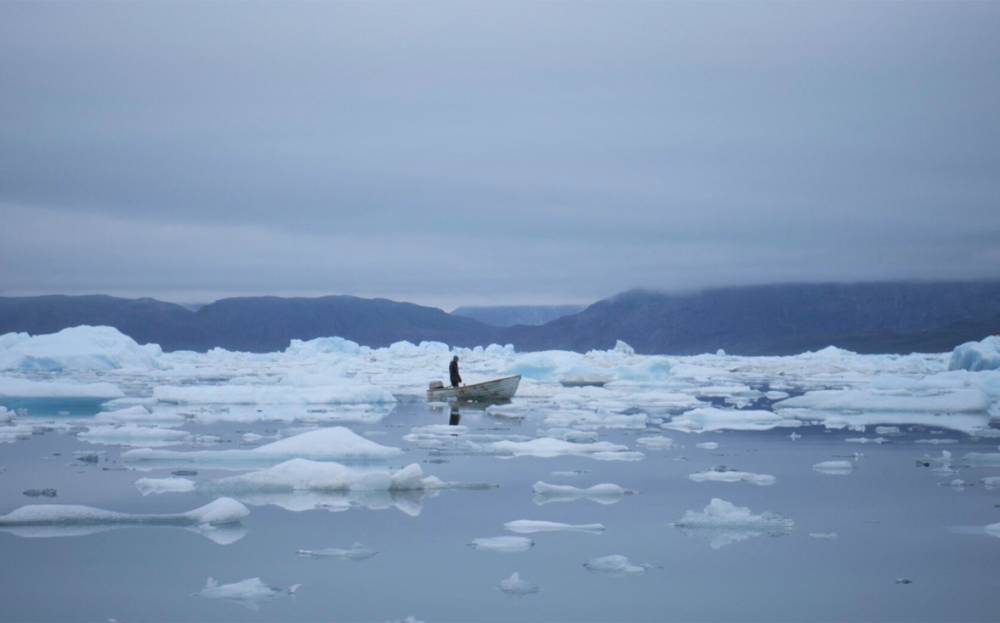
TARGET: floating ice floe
(991,482)
(605,493)
(334,443)
(656,442)
(724,523)
(132,435)
(594,420)
(982,459)
(139,415)
(515,585)
(78,349)
(147,486)
(350,391)
(866,440)
(707,445)
(993,529)
(547,447)
(506,544)
(836,467)
(14,432)
(823,536)
(216,520)
(716,475)
(861,400)
(12,389)
(707,419)
(976,356)
(615,564)
(937,441)
(249,593)
(355,552)
(530,526)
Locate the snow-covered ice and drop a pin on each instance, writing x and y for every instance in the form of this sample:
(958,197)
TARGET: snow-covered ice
(530,526)
(614,564)
(835,467)
(249,593)
(717,475)
(507,544)
(148,486)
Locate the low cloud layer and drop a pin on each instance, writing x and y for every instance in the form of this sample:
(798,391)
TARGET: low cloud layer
(471,153)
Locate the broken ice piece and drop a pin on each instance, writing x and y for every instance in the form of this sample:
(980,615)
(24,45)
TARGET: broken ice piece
(514,585)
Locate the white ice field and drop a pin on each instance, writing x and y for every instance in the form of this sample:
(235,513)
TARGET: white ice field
(327,426)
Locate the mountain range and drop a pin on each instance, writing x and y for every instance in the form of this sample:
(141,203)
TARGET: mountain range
(892,317)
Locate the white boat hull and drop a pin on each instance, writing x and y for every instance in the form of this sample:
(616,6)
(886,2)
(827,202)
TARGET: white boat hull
(497,389)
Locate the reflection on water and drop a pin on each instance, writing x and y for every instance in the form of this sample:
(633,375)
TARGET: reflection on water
(889,514)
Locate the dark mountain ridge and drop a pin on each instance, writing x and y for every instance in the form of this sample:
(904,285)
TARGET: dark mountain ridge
(889,317)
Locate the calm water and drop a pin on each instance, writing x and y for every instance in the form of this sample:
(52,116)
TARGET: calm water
(894,519)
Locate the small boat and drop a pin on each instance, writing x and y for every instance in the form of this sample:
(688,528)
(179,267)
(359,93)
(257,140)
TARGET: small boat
(497,389)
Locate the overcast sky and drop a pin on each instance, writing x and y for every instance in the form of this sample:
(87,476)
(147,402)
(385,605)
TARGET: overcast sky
(494,152)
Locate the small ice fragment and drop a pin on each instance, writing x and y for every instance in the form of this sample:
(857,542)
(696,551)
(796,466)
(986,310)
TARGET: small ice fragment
(514,585)
(657,442)
(937,441)
(991,482)
(904,581)
(824,536)
(249,593)
(507,544)
(185,472)
(356,552)
(993,529)
(34,493)
(724,523)
(762,480)
(147,486)
(615,564)
(793,436)
(836,468)
(865,440)
(707,445)
(529,526)
(886,430)
(605,493)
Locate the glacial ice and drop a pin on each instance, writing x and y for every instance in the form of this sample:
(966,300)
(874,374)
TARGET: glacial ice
(530,526)
(17,388)
(714,475)
(306,475)
(334,443)
(506,544)
(514,585)
(605,493)
(249,593)
(546,447)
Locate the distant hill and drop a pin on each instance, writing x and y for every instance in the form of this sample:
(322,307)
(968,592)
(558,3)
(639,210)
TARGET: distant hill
(510,315)
(890,317)
(780,319)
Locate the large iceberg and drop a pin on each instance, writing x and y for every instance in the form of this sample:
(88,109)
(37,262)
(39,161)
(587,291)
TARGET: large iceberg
(976,356)
(76,348)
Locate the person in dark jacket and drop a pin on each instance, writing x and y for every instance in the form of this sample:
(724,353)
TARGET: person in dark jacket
(453,372)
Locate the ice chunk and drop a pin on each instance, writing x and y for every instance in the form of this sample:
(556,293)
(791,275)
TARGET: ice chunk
(529,526)
(991,482)
(138,414)
(993,529)
(866,440)
(593,420)
(306,475)
(605,493)
(936,441)
(956,401)
(350,391)
(35,493)
(131,435)
(707,445)
(356,552)
(78,348)
(886,430)
(147,486)
(707,419)
(14,432)
(514,585)
(507,544)
(836,468)
(733,476)
(724,523)
(976,356)
(249,593)
(823,536)
(547,447)
(656,442)
(322,346)
(334,443)
(983,459)
(615,564)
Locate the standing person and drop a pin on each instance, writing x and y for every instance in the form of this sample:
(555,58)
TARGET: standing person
(453,372)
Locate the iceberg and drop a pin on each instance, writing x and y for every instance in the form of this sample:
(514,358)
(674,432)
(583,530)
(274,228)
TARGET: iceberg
(82,348)
(334,443)
(506,544)
(514,585)
(724,523)
(530,526)
(977,356)
(249,593)
(707,419)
